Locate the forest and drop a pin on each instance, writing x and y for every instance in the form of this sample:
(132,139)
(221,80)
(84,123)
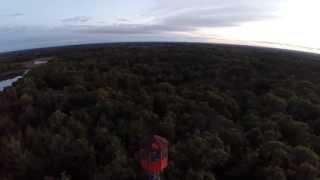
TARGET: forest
(229,113)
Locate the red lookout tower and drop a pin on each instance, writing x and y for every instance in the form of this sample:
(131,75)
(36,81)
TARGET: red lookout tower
(153,156)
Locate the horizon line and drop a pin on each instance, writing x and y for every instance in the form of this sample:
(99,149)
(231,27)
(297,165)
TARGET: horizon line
(252,44)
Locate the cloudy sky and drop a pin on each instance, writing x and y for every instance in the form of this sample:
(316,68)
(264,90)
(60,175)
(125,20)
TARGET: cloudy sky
(293,24)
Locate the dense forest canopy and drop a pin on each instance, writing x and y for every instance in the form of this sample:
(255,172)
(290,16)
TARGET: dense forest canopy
(229,112)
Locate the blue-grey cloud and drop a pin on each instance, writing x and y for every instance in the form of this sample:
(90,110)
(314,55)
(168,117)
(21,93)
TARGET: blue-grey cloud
(16,14)
(215,13)
(160,22)
(76,19)
(187,16)
(123,20)
(12,29)
(128,29)
(216,17)
(170,6)
(12,15)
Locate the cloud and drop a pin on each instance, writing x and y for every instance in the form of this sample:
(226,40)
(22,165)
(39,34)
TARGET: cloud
(215,13)
(215,17)
(170,20)
(175,5)
(124,20)
(12,29)
(128,29)
(185,16)
(12,15)
(76,19)
(16,14)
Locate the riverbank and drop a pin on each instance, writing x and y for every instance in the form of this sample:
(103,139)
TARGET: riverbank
(7,83)
(8,78)
(9,75)
(18,68)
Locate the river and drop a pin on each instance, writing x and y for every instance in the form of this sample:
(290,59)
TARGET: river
(29,65)
(8,82)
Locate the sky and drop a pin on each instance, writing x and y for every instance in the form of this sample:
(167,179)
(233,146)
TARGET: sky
(290,24)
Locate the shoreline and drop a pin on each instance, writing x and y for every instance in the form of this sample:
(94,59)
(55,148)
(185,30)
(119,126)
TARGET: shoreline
(12,74)
(7,79)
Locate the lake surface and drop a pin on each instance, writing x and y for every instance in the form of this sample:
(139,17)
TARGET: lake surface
(8,82)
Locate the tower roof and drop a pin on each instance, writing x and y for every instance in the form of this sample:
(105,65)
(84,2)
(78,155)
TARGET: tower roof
(154,142)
